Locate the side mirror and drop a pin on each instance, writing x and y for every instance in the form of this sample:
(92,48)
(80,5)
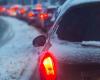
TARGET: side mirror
(39,41)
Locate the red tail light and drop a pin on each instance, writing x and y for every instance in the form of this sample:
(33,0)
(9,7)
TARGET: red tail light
(30,14)
(43,16)
(46,16)
(47,67)
(2,9)
(22,11)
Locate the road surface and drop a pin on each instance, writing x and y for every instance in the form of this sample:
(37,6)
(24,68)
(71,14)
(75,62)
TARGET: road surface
(17,56)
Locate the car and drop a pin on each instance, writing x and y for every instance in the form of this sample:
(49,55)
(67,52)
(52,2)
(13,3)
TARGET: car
(12,10)
(40,16)
(33,13)
(2,10)
(51,10)
(43,19)
(71,49)
(31,16)
(6,9)
(21,13)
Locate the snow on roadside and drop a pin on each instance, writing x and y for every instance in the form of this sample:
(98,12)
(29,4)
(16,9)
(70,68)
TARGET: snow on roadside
(15,55)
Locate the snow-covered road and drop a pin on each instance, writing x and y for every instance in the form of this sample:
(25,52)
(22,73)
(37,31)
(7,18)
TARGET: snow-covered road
(18,53)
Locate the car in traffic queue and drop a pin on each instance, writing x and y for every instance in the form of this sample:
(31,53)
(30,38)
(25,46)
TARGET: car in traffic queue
(5,11)
(71,49)
(43,19)
(33,12)
(31,16)
(46,16)
(2,10)
(21,13)
(51,10)
(40,17)
(12,10)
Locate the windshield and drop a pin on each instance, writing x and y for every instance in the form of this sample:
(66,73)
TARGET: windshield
(80,23)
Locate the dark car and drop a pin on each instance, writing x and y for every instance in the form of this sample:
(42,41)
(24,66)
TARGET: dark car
(41,17)
(2,10)
(51,9)
(21,13)
(71,49)
(11,10)
(44,19)
(38,17)
(32,16)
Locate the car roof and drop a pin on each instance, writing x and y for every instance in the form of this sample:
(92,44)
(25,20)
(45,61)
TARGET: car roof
(70,3)
(77,2)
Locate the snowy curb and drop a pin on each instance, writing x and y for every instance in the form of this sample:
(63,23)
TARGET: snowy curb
(9,32)
(27,73)
(18,58)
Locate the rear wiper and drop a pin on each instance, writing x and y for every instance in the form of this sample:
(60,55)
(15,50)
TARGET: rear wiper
(91,43)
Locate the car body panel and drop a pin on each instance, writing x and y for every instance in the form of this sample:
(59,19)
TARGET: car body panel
(75,61)
(74,53)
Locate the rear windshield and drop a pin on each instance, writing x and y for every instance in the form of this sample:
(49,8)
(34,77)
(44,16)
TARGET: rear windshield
(81,23)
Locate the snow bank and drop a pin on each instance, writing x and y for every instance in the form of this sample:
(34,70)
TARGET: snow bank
(17,53)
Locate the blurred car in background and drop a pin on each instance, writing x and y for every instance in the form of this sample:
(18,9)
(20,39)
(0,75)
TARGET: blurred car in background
(37,15)
(45,17)
(12,10)
(22,12)
(32,15)
(41,16)
(2,10)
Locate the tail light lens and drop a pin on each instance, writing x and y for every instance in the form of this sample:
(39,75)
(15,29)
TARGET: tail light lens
(47,67)
(22,11)
(46,16)
(30,14)
(2,9)
(11,12)
(43,16)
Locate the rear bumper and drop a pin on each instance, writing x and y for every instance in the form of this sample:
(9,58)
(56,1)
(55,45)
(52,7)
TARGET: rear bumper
(79,72)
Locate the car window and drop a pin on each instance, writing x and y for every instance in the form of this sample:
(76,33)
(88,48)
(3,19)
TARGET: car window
(80,23)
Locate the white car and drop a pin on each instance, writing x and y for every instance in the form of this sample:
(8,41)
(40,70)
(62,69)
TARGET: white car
(71,49)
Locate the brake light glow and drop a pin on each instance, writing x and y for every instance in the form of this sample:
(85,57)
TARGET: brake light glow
(30,14)
(48,64)
(43,16)
(47,67)
(22,11)
(46,15)
(11,12)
